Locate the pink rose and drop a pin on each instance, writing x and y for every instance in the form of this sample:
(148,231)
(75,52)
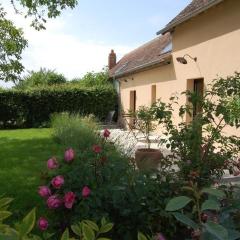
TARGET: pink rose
(42,223)
(160,237)
(86,192)
(57,182)
(54,202)
(69,155)
(44,191)
(69,199)
(97,149)
(52,163)
(106,133)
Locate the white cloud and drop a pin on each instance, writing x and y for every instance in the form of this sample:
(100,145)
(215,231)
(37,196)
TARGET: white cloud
(56,49)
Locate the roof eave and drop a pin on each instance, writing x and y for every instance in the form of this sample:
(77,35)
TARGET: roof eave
(193,14)
(145,67)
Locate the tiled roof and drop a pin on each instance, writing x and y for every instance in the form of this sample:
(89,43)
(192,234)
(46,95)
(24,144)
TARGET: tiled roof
(149,54)
(194,8)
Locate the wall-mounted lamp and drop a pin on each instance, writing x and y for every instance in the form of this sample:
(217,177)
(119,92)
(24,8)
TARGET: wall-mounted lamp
(183,59)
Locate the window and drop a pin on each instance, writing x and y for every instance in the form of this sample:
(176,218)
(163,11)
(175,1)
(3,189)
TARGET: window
(133,101)
(153,94)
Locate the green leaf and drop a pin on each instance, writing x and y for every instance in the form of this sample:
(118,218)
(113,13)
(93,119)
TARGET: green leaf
(185,220)
(141,236)
(210,205)
(217,230)
(28,223)
(3,227)
(5,237)
(5,201)
(65,235)
(103,221)
(177,203)
(88,233)
(47,235)
(233,234)
(77,230)
(214,192)
(103,238)
(4,215)
(92,224)
(35,237)
(106,228)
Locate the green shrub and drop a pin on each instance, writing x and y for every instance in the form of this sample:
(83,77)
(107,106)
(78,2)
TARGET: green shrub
(133,200)
(24,229)
(33,108)
(201,147)
(74,131)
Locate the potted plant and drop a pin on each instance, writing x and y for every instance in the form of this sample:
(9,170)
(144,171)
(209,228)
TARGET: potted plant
(144,122)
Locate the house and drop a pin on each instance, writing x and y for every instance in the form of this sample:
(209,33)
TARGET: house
(201,43)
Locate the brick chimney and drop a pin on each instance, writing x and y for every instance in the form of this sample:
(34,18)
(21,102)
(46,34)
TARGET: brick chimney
(112,59)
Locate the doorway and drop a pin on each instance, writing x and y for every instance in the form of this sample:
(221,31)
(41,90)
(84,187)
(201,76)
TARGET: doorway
(133,99)
(196,86)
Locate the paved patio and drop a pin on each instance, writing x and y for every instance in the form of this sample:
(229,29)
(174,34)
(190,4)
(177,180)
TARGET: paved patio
(128,144)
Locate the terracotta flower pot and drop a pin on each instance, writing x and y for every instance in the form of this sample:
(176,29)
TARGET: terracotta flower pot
(148,158)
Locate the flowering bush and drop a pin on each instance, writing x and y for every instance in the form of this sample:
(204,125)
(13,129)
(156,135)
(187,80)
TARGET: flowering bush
(24,229)
(95,180)
(201,148)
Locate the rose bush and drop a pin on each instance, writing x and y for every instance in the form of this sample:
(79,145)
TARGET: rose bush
(97,180)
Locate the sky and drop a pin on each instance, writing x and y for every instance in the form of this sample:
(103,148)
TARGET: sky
(80,40)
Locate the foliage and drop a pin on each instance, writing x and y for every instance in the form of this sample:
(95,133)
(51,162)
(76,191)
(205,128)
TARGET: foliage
(22,230)
(33,108)
(200,148)
(85,230)
(92,79)
(41,78)
(89,230)
(12,43)
(41,10)
(211,215)
(67,129)
(102,182)
(143,121)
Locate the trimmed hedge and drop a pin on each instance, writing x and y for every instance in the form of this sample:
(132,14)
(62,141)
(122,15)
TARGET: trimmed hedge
(33,108)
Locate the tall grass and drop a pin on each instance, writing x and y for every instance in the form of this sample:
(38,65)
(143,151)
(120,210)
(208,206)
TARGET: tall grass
(74,130)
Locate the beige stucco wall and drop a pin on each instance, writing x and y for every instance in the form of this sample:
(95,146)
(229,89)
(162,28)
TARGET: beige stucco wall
(213,37)
(163,77)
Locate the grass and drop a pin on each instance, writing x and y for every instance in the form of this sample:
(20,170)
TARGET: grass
(23,156)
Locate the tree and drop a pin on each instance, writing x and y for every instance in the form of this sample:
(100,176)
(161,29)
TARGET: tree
(41,10)
(92,79)
(12,44)
(41,78)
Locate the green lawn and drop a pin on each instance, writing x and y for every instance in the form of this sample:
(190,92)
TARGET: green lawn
(23,156)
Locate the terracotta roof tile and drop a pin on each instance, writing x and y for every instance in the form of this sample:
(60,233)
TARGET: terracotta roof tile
(150,53)
(195,7)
